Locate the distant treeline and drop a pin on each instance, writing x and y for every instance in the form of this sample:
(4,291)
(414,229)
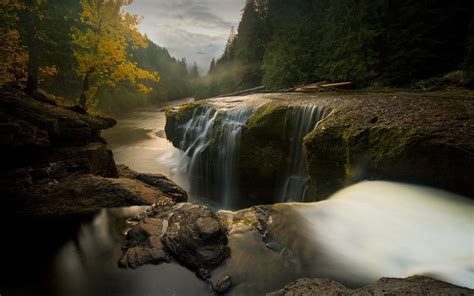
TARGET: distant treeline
(281,43)
(55,23)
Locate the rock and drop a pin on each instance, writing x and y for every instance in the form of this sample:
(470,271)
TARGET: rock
(312,287)
(208,227)
(203,273)
(419,138)
(138,256)
(416,285)
(188,244)
(414,139)
(190,234)
(54,163)
(62,125)
(21,143)
(159,181)
(222,286)
(79,194)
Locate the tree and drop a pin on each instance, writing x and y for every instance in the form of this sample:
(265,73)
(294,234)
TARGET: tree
(212,66)
(101,48)
(13,55)
(31,17)
(194,71)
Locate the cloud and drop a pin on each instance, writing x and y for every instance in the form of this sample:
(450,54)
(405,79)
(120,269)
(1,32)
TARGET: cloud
(191,29)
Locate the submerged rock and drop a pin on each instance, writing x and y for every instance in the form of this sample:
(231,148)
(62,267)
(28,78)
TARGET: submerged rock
(222,286)
(416,285)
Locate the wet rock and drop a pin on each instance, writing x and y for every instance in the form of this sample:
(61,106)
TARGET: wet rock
(159,181)
(138,256)
(208,227)
(203,273)
(312,287)
(190,234)
(222,286)
(417,285)
(187,243)
(80,194)
(424,139)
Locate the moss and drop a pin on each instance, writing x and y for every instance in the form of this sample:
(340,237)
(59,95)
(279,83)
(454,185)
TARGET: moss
(391,144)
(270,116)
(414,277)
(183,112)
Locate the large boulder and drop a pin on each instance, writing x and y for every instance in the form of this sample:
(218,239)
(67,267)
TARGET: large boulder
(62,124)
(422,139)
(419,138)
(189,234)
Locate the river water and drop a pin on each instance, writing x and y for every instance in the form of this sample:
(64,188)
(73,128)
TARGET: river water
(367,231)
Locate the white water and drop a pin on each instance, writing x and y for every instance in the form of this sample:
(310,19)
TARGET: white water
(364,232)
(225,128)
(377,229)
(302,120)
(231,129)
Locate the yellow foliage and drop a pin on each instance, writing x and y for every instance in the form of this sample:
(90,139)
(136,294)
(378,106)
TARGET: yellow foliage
(101,45)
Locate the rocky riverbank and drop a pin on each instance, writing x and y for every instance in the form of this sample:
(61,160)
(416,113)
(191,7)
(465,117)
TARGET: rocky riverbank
(276,239)
(55,163)
(415,285)
(421,138)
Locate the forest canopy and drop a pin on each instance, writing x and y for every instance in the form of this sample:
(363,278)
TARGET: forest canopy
(280,44)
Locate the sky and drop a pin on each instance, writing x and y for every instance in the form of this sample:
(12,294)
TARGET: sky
(191,29)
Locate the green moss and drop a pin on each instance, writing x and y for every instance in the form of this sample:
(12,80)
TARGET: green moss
(414,277)
(390,144)
(183,112)
(269,115)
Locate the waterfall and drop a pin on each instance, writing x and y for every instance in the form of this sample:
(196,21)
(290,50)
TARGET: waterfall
(302,119)
(213,138)
(232,124)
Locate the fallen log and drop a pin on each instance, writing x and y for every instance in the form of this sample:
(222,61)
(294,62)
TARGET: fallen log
(244,92)
(323,86)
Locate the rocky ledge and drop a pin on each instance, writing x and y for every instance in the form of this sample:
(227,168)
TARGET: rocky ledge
(55,163)
(421,138)
(415,285)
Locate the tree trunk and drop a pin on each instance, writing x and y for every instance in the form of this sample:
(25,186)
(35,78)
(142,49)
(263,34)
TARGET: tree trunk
(33,63)
(85,89)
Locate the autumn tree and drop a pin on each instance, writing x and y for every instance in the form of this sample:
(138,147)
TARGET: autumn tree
(101,48)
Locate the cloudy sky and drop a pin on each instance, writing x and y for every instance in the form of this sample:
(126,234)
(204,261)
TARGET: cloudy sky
(196,30)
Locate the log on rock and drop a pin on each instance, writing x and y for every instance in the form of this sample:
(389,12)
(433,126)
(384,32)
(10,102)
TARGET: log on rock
(244,92)
(323,85)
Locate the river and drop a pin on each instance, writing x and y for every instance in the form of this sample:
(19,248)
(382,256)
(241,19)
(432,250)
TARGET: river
(371,230)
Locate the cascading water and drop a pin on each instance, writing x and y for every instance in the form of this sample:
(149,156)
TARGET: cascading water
(213,135)
(302,119)
(197,136)
(231,129)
